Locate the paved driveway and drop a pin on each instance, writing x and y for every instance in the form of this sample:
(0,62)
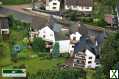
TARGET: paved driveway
(18,15)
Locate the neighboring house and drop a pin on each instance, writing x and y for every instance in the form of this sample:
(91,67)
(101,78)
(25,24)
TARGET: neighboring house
(53,5)
(85,53)
(79,5)
(77,30)
(75,37)
(4,25)
(111,20)
(47,34)
(84,59)
(38,4)
(85,6)
(48,29)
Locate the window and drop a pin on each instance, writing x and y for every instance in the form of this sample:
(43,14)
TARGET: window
(71,51)
(87,7)
(54,3)
(90,57)
(78,61)
(51,34)
(54,7)
(72,46)
(89,62)
(74,6)
(74,38)
(43,36)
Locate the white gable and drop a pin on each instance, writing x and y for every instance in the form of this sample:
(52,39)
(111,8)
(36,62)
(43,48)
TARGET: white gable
(92,63)
(89,53)
(77,35)
(47,34)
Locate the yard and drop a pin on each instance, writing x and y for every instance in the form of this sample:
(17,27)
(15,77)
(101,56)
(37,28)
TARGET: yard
(32,61)
(27,56)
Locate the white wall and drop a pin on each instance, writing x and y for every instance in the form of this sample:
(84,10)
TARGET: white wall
(64,46)
(5,30)
(49,5)
(79,8)
(47,34)
(92,64)
(77,35)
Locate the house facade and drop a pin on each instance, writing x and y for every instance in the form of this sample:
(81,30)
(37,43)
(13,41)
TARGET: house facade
(74,38)
(4,25)
(79,5)
(46,34)
(64,46)
(84,59)
(57,5)
(85,52)
(53,5)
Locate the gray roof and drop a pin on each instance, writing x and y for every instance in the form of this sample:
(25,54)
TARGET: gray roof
(100,35)
(79,2)
(39,22)
(88,42)
(84,44)
(56,26)
(82,29)
(4,22)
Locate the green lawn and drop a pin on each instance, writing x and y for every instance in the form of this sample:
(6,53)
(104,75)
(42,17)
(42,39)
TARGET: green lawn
(90,74)
(15,2)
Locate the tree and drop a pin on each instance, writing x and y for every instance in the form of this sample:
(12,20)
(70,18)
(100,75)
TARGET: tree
(38,45)
(101,22)
(110,54)
(59,74)
(1,50)
(72,15)
(55,51)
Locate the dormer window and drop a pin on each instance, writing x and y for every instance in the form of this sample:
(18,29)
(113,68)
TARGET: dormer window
(74,38)
(54,7)
(89,62)
(54,3)
(43,36)
(90,57)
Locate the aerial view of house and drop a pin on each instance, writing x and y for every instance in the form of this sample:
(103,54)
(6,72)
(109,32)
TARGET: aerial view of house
(59,39)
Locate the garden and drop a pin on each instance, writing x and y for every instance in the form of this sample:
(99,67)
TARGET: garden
(16,52)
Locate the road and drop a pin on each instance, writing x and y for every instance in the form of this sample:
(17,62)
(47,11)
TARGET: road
(18,12)
(21,14)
